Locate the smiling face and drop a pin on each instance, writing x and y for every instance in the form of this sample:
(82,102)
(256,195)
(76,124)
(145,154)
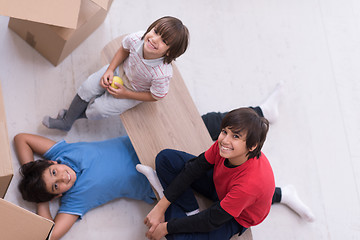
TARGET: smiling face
(154,46)
(233,146)
(58,178)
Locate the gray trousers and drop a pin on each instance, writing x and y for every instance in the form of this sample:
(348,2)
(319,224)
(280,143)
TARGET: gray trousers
(101,103)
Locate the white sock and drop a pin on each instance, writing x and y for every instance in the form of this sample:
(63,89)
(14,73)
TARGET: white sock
(270,107)
(150,174)
(196,211)
(290,198)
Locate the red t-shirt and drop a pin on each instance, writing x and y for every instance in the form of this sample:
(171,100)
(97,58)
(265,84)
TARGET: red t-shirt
(245,191)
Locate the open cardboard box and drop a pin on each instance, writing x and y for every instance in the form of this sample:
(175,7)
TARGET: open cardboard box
(62,13)
(55,43)
(17,223)
(6,170)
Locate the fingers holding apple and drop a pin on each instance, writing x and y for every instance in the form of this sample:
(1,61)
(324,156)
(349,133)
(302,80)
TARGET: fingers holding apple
(116,79)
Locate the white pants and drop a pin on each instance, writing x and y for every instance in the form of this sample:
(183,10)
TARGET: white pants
(101,103)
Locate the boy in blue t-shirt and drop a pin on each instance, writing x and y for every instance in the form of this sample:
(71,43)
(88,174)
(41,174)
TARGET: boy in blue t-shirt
(84,174)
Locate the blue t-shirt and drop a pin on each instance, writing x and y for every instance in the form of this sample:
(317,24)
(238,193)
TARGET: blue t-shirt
(105,170)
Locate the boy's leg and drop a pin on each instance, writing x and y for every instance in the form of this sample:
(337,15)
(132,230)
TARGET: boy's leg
(101,103)
(212,122)
(271,104)
(169,164)
(87,91)
(268,109)
(91,88)
(226,231)
(288,196)
(152,177)
(76,110)
(204,185)
(106,105)
(277,196)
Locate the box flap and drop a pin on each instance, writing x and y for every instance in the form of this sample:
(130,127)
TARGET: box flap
(60,13)
(6,170)
(5,156)
(103,3)
(18,223)
(2,108)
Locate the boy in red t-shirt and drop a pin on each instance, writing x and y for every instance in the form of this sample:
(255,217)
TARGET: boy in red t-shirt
(233,172)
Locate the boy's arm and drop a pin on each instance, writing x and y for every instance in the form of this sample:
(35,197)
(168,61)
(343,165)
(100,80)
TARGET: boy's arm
(123,93)
(205,221)
(193,169)
(63,221)
(118,58)
(28,144)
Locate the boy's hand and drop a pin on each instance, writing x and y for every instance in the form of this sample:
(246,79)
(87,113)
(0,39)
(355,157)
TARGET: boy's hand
(153,219)
(119,93)
(106,79)
(160,231)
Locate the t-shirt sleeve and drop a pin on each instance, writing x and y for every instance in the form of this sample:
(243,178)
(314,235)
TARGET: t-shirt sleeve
(55,150)
(72,204)
(131,39)
(236,201)
(160,87)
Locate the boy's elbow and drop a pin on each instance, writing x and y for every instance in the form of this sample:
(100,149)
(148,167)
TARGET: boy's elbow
(19,137)
(54,237)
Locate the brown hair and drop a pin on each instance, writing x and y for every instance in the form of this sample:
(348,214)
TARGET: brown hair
(32,186)
(174,33)
(248,121)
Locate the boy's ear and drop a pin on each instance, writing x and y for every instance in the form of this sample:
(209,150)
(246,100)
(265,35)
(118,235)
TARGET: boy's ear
(253,148)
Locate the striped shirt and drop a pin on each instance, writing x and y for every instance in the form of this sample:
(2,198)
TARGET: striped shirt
(145,74)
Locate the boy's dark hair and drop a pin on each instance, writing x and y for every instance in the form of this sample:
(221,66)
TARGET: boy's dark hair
(32,186)
(174,33)
(246,120)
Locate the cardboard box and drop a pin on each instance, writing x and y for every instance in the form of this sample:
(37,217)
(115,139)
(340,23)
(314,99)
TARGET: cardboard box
(62,13)
(17,223)
(56,43)
(6,170)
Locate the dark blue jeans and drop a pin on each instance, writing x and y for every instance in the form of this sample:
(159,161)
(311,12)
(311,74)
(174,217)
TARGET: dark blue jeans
(169,164)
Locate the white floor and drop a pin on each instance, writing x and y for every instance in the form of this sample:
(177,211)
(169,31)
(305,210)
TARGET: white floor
(239,50)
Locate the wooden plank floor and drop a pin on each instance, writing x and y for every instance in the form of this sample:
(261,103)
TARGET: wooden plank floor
(238,52)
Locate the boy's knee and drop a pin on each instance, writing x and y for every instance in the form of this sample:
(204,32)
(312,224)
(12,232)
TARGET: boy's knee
(169,160)
(162,158)
(95,112)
